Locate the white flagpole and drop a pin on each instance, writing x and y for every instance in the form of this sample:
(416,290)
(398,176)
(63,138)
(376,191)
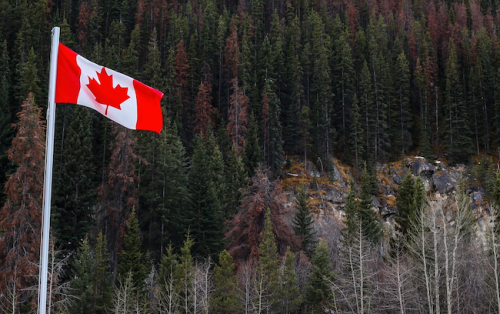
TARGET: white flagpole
(47,185)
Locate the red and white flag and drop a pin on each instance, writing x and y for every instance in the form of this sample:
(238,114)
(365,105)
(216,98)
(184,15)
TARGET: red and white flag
(115,95)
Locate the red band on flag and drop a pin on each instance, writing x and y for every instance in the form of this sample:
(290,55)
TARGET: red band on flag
(68,76)
(149,115)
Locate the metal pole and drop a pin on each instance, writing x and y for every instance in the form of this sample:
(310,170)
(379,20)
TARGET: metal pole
(47,185)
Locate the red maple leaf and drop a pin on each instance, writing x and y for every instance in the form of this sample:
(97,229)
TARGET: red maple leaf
(105,93)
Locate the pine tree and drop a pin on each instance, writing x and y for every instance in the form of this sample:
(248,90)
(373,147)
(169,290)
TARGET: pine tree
(319,294)
(21,215)
(224,298)
(303,222)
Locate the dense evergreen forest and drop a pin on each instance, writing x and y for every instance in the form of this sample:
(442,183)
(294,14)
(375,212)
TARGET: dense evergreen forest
(192,220)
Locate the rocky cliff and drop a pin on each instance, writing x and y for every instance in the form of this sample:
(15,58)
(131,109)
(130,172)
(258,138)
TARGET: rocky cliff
(329,190)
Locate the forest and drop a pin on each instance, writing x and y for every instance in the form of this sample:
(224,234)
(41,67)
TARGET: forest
(197,219)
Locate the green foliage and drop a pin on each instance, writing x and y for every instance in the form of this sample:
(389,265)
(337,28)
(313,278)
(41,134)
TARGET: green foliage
(303,222)
(267,271)
(253,155)
(319,294)
(457,134)
(410,199)
(75,183)
(29,79)
(204,218)
(131,260)
(225,298)
(355,142)
(351,211)
(83,284)
(289,290)
(101,279)
(370,222)
(184,273)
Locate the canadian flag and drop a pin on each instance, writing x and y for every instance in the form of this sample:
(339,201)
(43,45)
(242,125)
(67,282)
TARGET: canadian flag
(115,95)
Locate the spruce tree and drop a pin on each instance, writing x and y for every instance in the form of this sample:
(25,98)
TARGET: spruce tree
(370,222)
(225,298)
(203,219)
(102,277)
(405,204)
(319,294)
(184,274)
(289,290)
(267,272)
(83,282)
(131,259)
(303,222)
(351,211)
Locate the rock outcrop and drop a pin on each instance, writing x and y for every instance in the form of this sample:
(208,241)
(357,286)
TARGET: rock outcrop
(329,190)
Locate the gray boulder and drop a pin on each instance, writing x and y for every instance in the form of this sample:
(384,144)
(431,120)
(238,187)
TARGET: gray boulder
(444,183)
(422,168)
